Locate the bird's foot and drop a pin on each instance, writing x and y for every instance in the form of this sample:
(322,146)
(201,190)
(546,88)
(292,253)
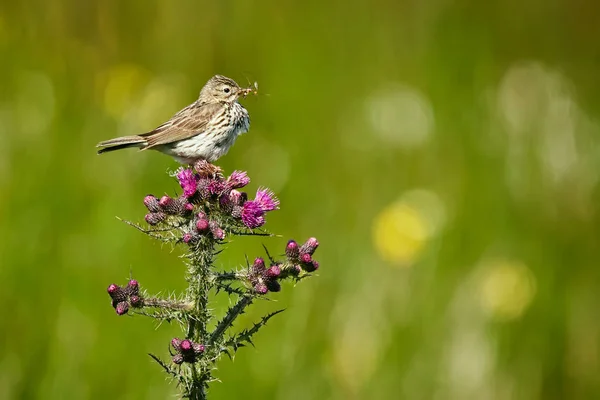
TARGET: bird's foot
(207,170)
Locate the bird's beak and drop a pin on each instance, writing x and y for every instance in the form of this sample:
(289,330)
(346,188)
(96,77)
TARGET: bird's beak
(246,91)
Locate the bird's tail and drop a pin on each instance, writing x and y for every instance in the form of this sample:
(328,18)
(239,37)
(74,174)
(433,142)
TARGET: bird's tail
(119,143)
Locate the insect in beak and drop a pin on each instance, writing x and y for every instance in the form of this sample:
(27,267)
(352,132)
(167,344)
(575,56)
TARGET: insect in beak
(252,89)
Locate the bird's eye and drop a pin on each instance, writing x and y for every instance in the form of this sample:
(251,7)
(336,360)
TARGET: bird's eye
(226,90)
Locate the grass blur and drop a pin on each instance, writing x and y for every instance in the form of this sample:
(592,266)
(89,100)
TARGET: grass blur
(445,154)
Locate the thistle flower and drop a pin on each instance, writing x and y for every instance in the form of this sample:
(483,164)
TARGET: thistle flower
(266,200)
(238,179)
(188,181)
(253,215)
(216,187)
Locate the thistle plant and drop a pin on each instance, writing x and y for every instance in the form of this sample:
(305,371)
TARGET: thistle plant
(211,210)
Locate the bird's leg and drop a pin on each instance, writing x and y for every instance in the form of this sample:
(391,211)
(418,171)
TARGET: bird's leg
(207,170)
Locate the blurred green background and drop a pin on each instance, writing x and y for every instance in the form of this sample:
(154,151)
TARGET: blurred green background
(446,154)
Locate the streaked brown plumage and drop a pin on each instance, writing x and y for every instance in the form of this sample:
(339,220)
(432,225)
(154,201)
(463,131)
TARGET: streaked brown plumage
(204,130)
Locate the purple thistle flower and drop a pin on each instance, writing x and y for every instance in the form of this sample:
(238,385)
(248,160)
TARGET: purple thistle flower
(188,181)
(305,258)
(216,187)
(189,207)
(253,215)
(187,237)
(238,179)
(266,199)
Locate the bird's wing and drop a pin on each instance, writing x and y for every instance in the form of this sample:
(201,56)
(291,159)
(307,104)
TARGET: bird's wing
(189,122)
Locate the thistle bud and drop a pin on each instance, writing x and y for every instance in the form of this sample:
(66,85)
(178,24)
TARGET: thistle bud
(273,272)
(292,251)
(136,301)
(177,359)
(273,286)
(259,266)
(185,346)
(155,218)
(133,287)
(310,246)
(151,203)
(235,197)
(175,342)
(165,201)
(311,266)
(198,348)
(202,225)
(122,308)
(187,238)
(261,288)
(117,294)
(305,258)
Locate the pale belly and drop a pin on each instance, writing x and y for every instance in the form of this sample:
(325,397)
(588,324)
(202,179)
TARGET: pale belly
(214,142)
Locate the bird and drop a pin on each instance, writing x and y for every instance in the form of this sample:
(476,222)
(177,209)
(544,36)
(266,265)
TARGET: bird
(204,130)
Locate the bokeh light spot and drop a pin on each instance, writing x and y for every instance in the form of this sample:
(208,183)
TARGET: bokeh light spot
(399,233)
(507,289)
(400,115)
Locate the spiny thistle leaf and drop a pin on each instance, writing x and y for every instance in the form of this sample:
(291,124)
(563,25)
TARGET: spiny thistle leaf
(246,335)
(160,362)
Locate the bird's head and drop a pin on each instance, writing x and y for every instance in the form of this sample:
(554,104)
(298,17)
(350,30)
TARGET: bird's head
(222,89)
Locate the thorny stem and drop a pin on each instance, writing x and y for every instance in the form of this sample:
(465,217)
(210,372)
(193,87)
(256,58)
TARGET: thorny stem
(199,285)
(201,259)
(171,305)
